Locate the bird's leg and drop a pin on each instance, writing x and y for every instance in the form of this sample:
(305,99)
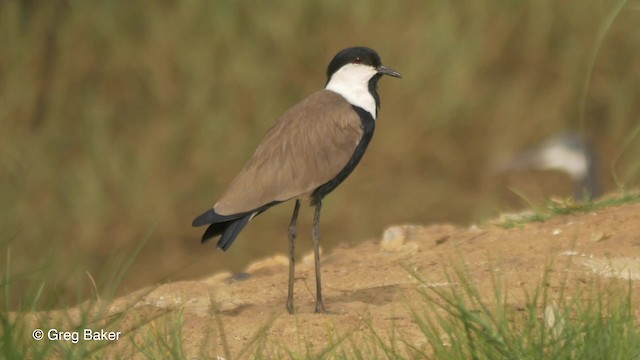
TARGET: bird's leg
(292,255)
(315,236)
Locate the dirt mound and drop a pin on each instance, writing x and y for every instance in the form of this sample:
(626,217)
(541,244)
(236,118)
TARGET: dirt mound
(370,285)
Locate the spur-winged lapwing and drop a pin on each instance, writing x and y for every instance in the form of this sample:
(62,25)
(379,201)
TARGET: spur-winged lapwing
(568,152)
(309,151)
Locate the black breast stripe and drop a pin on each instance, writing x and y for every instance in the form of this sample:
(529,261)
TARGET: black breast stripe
(368,126)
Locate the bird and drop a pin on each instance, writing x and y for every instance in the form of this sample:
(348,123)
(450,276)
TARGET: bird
(566,152)
(310,150)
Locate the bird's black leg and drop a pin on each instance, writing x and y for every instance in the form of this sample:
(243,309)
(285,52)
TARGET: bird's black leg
(292,256)
(315,235)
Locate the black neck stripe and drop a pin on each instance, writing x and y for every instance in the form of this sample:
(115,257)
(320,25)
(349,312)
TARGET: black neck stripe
(368,126)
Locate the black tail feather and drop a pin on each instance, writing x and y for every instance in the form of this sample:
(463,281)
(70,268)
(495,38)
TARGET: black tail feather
(228,229)
(211,217)
(232,232)
(215,230)
(229,226)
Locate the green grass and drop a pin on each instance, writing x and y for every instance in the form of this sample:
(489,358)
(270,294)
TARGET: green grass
(39,304)
(555,208)
(592,321)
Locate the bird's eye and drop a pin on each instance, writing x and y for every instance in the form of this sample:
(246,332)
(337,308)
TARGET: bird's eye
(357,60)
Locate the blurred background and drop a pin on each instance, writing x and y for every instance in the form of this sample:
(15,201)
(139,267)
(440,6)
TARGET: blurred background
(121,121)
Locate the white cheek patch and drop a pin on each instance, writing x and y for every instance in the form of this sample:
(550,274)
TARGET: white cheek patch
(352,82)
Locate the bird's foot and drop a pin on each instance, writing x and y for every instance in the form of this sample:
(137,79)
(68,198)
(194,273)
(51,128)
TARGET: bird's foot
(290,308)
(320,309)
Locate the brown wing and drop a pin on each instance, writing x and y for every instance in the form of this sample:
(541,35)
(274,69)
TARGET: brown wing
(307,147)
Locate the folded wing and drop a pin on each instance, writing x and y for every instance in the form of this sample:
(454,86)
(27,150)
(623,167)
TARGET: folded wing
(307,147)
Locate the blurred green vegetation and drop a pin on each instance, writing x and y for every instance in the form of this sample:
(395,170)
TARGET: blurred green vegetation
(118,118)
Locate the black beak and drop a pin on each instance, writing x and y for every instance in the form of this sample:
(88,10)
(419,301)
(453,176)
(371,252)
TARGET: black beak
(388,71)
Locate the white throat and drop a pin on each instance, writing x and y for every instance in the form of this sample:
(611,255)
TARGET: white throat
(352,82)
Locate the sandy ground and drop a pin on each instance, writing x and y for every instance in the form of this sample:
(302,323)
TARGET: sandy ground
(370,284)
